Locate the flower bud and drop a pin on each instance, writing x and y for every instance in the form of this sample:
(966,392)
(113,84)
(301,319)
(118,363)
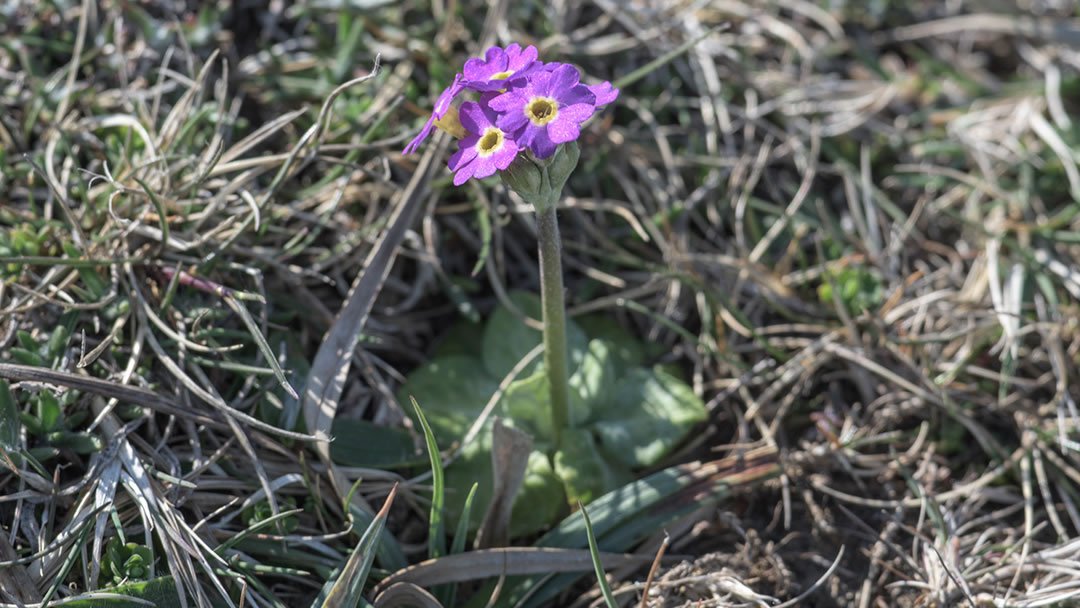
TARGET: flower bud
(523,176)
(562,164)
(540,181)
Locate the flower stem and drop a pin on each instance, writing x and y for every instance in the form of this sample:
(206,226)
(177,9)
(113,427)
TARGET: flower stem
(551,296)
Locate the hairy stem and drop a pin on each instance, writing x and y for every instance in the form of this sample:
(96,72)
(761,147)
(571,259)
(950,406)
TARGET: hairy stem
(551,295)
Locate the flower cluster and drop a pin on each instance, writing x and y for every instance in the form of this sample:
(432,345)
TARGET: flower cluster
(523,104)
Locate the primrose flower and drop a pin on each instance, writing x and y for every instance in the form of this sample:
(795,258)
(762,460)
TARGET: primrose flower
(501,68)
(442,105)
(525,104)
(546,111)
(485,149)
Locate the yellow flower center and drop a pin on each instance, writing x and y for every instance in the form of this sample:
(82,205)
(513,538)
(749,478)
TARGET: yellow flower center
(541,110)
(502,75)
(490,142)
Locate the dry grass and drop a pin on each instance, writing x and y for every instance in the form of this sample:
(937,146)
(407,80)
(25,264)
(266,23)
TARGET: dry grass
(862,223)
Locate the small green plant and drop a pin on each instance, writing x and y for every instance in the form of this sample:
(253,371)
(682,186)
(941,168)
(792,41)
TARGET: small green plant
(125,562)
(31,351)
(21,240)
(622,416)
(859,289)
(44,418)
(261,511)
(47,423)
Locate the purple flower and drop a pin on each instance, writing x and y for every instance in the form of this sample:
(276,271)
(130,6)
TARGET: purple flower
(486,147)
(546,111)
(501,68)
(441,106)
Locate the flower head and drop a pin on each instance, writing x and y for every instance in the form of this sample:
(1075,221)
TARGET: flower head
(547,110)
(501,68)
(485,149)
(524,104)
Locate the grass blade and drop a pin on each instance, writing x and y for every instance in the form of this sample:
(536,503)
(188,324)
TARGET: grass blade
(436,527)
(344,590)
(263,345)
(594,551)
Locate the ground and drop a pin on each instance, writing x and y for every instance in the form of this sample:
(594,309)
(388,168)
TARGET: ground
(851,228)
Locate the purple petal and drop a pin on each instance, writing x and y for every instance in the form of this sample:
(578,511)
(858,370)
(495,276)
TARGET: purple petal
(563,130)
(575,95)
(505,156)
(474,69)
(442,104)
(496,58)
(507,102)
(489,114)
(465,153)
(564,78)
(540,84)
(419,139)
(604,92)
(463,174)
(479,71)
(542,146)
(524,137)
(577,113)
(512,121)
(472,117)
(523,58)
(484,167)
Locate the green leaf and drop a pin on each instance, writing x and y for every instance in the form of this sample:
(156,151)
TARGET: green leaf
(51,350)
(361,443)
(593,382)
(26,341)
(125,561)
(539,501)
(27,357)
(388,552)
(650,412)
(464,338)
(9,425)
(471,467)
(453,390)
(626,350)
(79,442)
(48,410)
(585,472)
(160,592)
(528,402)
(507,340)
